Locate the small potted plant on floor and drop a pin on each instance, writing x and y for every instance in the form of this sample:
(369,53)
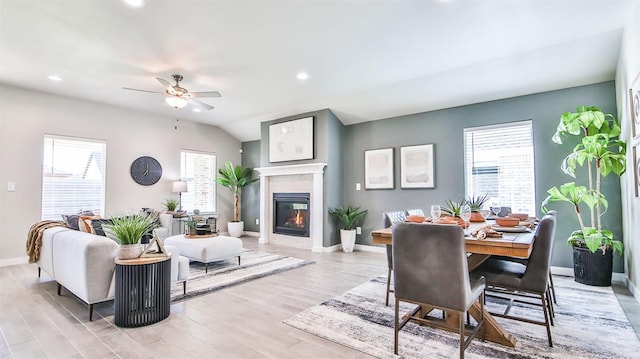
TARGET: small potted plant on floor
(235,178)
(128,229)
(348,218)
(476,203)
(598,153)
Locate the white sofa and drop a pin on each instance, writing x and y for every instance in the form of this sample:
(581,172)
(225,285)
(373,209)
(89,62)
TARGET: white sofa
(84,264)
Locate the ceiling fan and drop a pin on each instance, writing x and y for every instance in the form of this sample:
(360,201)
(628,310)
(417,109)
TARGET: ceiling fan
(178,97)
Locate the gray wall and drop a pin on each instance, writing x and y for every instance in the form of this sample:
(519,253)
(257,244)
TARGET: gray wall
(444,128)
(250,197)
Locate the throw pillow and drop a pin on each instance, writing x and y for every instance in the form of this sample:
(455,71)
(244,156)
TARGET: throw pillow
(86,222)
(96,226)
(71,220)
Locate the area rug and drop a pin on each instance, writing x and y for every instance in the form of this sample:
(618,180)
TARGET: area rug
(589,324)
(224,274)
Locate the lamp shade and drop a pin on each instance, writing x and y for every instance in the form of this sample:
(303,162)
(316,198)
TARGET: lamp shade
(179,186)
(175,101)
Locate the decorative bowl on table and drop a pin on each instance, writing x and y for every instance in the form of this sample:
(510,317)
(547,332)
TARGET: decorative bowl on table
(507,221)
(416,218)
(520,216)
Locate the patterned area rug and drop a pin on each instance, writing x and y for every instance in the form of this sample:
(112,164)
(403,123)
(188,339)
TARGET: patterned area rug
(589,324)
(227,273)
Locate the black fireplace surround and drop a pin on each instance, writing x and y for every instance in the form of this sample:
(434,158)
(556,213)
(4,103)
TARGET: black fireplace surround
(291,214)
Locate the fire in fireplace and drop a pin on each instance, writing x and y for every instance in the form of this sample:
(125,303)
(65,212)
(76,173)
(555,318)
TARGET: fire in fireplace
(291,214)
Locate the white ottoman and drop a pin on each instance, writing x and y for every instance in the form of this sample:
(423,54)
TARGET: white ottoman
(206,250)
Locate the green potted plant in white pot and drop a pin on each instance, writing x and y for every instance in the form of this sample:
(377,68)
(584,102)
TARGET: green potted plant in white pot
(127,230)
(598,154)
(235,178)
(348,218)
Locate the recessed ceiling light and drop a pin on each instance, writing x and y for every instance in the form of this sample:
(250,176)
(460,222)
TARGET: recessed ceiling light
(302,76)
(134,3)
(196,110)
(54,78)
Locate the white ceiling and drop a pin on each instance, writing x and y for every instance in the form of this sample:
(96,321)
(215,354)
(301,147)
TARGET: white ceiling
(366,59)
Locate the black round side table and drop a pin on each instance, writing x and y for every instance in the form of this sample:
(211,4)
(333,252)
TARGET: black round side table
(142,291)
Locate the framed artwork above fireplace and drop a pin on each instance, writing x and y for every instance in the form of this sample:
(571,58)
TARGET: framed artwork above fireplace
(291,140)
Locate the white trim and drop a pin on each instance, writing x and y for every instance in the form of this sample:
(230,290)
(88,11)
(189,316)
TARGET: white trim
(317,199)
(13,261)
(632,289)
(251,234)
(370,248)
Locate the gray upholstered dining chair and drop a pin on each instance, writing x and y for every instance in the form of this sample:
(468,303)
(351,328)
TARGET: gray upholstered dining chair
(530,280)
(414,212)
(552,288)
(430,269)
(391,218)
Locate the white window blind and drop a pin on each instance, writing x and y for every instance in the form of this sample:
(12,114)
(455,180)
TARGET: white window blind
(499,161)
(198,169)
(73,176)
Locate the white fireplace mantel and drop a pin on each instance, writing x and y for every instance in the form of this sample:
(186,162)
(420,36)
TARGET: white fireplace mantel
(316,197)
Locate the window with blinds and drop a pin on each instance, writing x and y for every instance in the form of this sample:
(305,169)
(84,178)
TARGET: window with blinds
(73,176)
(198,169)
(499,161)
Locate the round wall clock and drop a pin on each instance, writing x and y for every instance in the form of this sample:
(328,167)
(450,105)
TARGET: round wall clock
(146,170)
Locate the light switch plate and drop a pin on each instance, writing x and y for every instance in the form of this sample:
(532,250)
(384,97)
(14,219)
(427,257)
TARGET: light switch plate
(11,186)
(358,186)
(358,230)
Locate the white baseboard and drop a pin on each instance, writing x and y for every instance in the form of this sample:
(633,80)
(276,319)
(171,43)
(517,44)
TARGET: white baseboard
(370,248)
(251,234)
(13,261)
(568,272)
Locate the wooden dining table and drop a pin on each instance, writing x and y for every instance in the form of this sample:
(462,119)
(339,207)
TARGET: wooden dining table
(511,244)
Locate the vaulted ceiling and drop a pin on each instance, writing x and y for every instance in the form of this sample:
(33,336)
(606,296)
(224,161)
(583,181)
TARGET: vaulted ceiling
(366,59)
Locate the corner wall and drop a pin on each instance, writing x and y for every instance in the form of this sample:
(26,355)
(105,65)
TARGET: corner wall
(25,116)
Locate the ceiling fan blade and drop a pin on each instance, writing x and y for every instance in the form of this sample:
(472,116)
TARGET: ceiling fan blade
(206,94)
(201,104)
(132,89)
(167,85)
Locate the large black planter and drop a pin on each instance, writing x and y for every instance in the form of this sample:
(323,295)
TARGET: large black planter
(592,268)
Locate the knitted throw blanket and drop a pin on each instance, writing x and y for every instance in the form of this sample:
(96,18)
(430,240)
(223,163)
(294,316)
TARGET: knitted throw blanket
(34,238)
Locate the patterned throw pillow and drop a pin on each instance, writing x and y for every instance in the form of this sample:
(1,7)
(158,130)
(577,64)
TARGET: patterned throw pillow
(86,221)
(96,226)
(72,220)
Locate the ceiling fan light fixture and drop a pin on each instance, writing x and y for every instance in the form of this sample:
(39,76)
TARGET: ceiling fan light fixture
(176,102)
(134,3)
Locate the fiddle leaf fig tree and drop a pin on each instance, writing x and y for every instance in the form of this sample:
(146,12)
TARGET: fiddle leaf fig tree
(600,154)
(234,178)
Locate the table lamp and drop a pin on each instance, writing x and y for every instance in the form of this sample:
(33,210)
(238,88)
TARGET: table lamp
(179,187)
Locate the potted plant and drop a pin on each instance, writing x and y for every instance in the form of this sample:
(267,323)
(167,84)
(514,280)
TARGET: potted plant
(599,153)
(191,223)
(348,218)
(171,204)
(234,178)
(453,210)
(128,229)
(476,203)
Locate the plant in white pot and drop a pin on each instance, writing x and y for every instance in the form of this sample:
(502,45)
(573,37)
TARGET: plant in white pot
(599,153)
(128,229)
(235,178)
(348,218)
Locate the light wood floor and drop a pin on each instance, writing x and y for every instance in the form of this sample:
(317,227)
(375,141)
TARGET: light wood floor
(244,321)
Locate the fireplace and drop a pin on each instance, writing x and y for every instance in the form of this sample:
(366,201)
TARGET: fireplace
(291,214)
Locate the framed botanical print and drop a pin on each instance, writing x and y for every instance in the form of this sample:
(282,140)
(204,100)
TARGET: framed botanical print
(378,169)
(636,169)
(416,167)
